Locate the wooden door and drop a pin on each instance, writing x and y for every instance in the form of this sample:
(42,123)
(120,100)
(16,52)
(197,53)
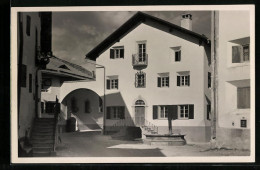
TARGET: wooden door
(139,115)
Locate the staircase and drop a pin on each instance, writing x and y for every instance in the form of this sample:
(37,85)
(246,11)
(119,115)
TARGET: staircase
(146,126)
(43,137)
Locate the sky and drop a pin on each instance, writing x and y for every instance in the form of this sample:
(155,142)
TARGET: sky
(74,34)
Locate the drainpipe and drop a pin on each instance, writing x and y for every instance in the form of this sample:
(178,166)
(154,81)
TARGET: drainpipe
(214,59)
(104,102)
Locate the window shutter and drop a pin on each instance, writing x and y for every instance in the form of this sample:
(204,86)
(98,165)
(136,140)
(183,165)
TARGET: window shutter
(112,55)
(159,81)
(108,84)
(180,56)
(155,114)
(122,112)
(191,111)
(208,111)
(122,53)
(176,55)
(236,52)
(188,80)
(108,112)
(178,80)
(168,80)
(173,112)
(117,83)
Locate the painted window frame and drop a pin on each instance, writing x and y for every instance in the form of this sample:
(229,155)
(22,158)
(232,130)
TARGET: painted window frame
(183,109)
(163,112)
(140,83)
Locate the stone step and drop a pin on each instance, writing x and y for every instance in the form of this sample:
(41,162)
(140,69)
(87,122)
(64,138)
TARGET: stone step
(47,141)
(42,150)
(43,130)
(42,145)
(42,137)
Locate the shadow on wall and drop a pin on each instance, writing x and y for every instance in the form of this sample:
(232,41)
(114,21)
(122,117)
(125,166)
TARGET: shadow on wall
(113,123)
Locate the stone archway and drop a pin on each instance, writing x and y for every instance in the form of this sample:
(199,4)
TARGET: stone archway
(86,106)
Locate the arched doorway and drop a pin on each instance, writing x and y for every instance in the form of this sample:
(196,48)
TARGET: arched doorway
(139,113)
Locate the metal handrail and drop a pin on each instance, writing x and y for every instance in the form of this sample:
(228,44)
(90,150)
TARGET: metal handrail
(136,59)
(132,121)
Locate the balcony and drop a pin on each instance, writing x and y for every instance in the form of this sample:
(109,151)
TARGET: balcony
(140,59)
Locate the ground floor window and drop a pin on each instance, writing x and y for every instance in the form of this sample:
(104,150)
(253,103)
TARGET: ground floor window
(243,97)
(163,112)
(173,111)
(115,112)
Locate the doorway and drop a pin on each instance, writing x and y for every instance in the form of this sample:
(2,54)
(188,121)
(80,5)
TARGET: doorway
(139,113)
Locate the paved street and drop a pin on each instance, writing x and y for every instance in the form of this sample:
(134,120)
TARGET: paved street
(93,144)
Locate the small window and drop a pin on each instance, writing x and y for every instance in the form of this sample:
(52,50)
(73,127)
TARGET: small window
(240,53)
(140,80)
(178,56)
(28,25)
(183,111)
(209,80)
(163,112)
(30,83)
(163,80)
(112,83)
(183,79)
(208,112)
(87,106)
(117,52)
(115,112)
(243,97)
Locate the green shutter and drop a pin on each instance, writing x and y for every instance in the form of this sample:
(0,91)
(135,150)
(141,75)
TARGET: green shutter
(168,79)
(159,81)
(108,84)
(236,52)
(122,112)
(191,111)
(178,80)
(155,114)
(121,53)
(112,55)
(173,112)
(108,113)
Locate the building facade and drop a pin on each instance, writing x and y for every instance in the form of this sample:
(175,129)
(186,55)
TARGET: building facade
(153,68)
(232,37)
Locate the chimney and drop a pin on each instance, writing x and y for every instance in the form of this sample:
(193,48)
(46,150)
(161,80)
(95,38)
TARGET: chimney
(186,21)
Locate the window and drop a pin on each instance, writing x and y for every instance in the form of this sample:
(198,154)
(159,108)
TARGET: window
(173,111)
(183,79)
(87,107)
(209,80)
(243,97)
(28,25)
(240,53)
(178,55)
(186,111)
(140,79)
(163,112)
(163,80)
(115,112)
(141,51)
(117,52)
(30,83)
(208,111)
(112,82)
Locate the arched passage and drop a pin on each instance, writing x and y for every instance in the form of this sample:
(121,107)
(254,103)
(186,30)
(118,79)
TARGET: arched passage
(86,106)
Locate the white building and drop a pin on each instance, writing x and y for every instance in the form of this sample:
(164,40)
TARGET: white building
(152,68)
(232,35)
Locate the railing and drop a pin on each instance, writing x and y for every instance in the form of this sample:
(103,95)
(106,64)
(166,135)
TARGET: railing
(56,119)
(137,121)
(140,59)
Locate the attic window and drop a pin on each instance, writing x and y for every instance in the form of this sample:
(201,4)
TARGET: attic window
(64,67)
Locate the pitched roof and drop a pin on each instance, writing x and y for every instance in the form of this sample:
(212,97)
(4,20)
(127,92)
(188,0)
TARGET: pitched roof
(132,23)
(67,69)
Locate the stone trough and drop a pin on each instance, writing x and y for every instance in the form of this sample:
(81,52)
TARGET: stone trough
(165,140)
